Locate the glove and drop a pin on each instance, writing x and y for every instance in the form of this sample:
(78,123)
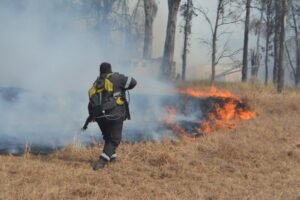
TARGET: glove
(84,128)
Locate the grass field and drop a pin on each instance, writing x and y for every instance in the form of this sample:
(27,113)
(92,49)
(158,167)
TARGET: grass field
(260,159)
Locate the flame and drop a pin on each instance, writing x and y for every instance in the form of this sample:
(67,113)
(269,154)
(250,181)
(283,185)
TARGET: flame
(210,92)
(226,114)
(171,113)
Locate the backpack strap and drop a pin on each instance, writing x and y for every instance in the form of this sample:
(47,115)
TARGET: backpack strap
(108,85)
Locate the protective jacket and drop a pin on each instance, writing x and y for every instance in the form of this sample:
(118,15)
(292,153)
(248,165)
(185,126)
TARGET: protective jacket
(108,96)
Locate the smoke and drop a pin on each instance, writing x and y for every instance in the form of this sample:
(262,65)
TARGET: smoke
(49,58)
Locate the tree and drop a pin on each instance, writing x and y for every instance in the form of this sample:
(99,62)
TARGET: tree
(187,11)
(119,27)
(295,25)
(283,15)
(269,31)
(150,9)
(100,15)
(131,26)
(104,20)
(276,40)
(167,62)
(224,17)
(246,40)
(257,56)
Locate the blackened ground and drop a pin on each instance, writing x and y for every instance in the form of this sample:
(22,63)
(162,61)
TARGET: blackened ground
(190,112)
(207,105)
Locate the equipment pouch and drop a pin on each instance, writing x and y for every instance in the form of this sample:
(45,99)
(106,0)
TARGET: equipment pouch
(127,110)
(109,104)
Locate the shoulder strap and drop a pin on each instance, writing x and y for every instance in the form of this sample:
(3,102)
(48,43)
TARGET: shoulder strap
(108,85)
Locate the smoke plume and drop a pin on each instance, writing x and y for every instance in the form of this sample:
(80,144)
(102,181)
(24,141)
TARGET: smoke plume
(49,59)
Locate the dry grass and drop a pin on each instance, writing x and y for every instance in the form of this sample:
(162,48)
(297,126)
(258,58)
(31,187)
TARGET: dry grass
(258,160)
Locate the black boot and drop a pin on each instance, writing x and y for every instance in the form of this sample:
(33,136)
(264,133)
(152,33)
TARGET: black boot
(100,164)
(113,158)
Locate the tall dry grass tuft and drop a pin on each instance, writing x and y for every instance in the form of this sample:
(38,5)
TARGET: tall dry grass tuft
(27,151)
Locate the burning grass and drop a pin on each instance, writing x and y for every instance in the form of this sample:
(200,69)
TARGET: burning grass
(219,109)
(258,159)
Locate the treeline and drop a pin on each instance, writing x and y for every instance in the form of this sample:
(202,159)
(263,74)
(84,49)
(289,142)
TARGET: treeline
(279,24)
(275,24)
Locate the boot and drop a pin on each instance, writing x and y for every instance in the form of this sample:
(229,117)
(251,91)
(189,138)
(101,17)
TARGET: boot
(113,158)
(100,164)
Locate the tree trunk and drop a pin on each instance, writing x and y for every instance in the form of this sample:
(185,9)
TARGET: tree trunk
(184,55)
(185,45)
(167,62)
(246,39)
(276,41)
(267,58)
(297,40)
(269,30)
(150,9)
(213,60)
(253,59)
(214,43)
(297,78)
(280,83)
(257,57)
(187,31)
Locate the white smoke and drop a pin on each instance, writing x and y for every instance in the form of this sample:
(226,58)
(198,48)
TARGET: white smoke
(53,57)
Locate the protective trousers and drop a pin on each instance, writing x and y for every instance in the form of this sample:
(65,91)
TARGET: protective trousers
(112,135)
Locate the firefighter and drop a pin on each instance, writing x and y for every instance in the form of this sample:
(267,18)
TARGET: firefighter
(110,111)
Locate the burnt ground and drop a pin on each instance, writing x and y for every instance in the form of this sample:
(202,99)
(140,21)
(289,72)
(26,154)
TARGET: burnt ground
(186,106)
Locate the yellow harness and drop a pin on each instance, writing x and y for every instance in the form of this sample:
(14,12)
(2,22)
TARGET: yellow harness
(107,86)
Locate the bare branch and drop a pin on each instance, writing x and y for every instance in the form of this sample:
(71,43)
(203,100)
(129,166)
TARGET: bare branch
(205,15)
(205,42)
(225,53)
(230,22)
(224,50)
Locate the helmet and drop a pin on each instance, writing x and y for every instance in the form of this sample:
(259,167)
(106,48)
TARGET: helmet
(105,68)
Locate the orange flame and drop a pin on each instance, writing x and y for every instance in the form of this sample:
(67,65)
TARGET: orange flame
(210,92)
(225,115)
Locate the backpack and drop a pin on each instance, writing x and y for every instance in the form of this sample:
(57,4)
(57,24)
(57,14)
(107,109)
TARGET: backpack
(102,96)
